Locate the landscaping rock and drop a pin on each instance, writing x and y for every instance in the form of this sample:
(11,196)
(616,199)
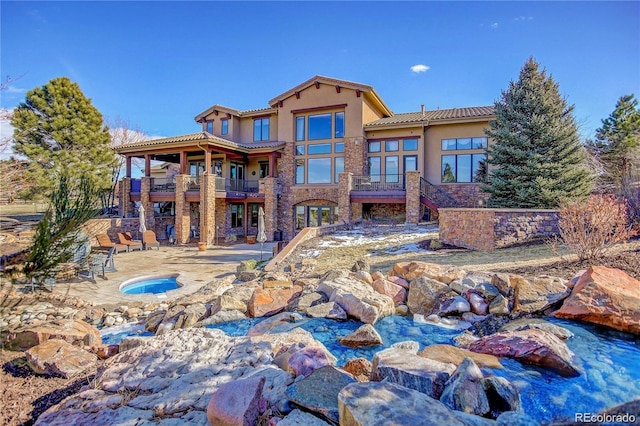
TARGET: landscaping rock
(534,347)
(360,368)
(394,291)
(329,310)
(513,418)
(305,361)
(499,306)
(284,321)
(454,355)
(502,395)
(503,283)
(300,418)
(397,280)
(425,294)
(365,335)
(539,324)
(306,300)
(363,276)
(76,332)
(319,391)
(236,403)
(59,357)
(248,276)
(479,305)
(267,302)
(456,305)
(537,294)
(412,270)
(359,300)
(222,316)
(605,296)
(464,392)
(361,265)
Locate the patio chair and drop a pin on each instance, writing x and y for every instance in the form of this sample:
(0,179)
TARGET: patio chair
(105,242)
(149,240)
(93,267)
(126,239)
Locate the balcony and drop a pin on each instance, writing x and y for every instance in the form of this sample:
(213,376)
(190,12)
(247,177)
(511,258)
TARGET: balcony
(237,185)
(390,182)
(162,185)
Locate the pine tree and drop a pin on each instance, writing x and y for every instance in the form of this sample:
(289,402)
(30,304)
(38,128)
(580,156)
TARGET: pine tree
(61,133)
(535,158)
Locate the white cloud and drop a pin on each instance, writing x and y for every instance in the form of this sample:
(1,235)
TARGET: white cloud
(6,134)
(420,68)
(494,25)
(15,90)
(523,18)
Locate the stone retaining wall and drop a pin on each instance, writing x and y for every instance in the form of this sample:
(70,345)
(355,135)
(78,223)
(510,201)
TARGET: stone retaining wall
(490,229)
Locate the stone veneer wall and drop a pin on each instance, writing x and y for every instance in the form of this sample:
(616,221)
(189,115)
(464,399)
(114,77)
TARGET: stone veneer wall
(383,211)
(489,229)
(467,195)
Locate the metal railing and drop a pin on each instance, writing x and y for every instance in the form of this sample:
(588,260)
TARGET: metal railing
(388,182)
(192,183)
(438,196)
(162,185)
(236,185)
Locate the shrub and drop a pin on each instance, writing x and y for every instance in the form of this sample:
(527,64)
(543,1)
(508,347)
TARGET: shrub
(590,228)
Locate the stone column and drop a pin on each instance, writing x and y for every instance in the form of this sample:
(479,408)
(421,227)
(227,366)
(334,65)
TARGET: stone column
(207,208)
(345,185)
(145,189)
(412,191)
(183,211)
(270,188)
(125,207)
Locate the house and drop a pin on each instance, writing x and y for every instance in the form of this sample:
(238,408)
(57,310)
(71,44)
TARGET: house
(324,151)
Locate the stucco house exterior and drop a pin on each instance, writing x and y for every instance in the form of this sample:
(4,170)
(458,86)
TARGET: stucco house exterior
(324,151)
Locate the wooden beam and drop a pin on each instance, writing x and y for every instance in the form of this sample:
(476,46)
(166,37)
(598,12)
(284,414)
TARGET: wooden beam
(147,165)
(358,92)
(297,95)
(128,166)
(297,111)
(317,83)
(337,88)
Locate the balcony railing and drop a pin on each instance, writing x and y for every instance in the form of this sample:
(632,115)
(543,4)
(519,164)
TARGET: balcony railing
(192,183)
(438,196)
(163,185)
(236,185)
(388,182)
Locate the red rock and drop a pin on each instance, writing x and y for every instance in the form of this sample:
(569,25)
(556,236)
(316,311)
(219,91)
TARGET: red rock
(412,270)
(307,360)
(398,280)
(605,296)
(394,291)
(532,346)
(236,403)
(270,301)
(76,332)
(360,368)
(105,351)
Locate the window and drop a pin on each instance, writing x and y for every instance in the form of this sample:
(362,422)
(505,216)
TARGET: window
(237,214)
(299,171)
(464,168)
(339,167)
(374,169)
(410,144)
(261,129)
(315,215)
(299,149)
(339,133)
(254,209)
(164,208)
(319,148)
(300,128)
(319,170)
(464,143)
(225,127)
(410,163)
(391,168)
(374,146)
(339,147)
(264,169)
(320,126)
(209,126)
(391,146)
(300,222)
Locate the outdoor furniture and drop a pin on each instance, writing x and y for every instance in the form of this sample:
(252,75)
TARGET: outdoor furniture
(105,242)
(149,240)
(126,239)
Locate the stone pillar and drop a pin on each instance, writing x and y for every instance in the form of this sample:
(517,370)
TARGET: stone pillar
(412,191)
(207,208)
(145,189)
(183,211)
(270,188)
(345,185)
(125,206)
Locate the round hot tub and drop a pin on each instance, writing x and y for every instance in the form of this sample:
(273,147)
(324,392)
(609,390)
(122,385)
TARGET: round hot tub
(154,285)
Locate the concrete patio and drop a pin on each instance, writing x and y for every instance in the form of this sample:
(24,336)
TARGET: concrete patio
(194,268)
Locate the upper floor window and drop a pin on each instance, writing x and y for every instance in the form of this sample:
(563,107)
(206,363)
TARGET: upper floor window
(320,126)
(225,127)
(261,129)
(410,144)
(374,146)
(391,146)
(464,143)
(339,133)
(209,127)
(299,128)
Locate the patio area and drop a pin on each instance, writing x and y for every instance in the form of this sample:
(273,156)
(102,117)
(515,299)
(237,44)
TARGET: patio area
(194,268)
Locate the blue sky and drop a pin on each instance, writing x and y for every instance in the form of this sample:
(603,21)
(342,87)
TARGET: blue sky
(158,64)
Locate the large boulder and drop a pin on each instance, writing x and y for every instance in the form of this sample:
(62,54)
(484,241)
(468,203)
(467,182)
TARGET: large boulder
(329,310)
(537,323)
(358,299)
(464,391)
(537,294)
(270,301)
(76,332)
(305,361)
(534,347)
(454,355)
(456,305)
(394,291)
(502,395)
(425,294)
(365,335)
(61,358)
(412,270)
(605,296)
(236,403)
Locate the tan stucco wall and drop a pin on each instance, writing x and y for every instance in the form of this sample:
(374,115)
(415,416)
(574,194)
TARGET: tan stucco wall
(399,134)
(245,134)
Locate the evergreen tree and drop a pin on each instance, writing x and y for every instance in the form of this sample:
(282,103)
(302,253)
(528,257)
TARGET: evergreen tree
(62,133)
(536,159)
(617,144)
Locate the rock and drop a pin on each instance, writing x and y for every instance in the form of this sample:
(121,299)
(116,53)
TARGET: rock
(462,286)
(394,291)
(464,339)
(491,324)
(222,316)
(246,265)
(503,283)
(242,293)
(363,276)
(76,332)
(412,371)
(236,403)
(365,335)
(300,418)
(362,404)
(131,342)
(534,347)
(472,318)
(359,300)
(512,418)
(267,302)
(628,408)
(59,357)
(402,310)
(537,294)
(105,351)
(295,336)
(499,306)
(329,310)
(361,265)
(190,316)
(502,395)
(454,306)
(334,274)
(377,275)
(360,368)
(539,324)
(248,276)
(412,270)
(306,300)
(281,283)
(281,322)
(605,296)
(306,360)
(488,290)
(479,305)
(464,392)
(450,323)
(397,280)
(425,294)
(407,345)
(453,355)
(154,320)
(226,302)
(319,391)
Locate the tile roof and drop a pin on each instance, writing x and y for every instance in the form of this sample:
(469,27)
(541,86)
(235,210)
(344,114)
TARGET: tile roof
(201,136)
(435,115)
